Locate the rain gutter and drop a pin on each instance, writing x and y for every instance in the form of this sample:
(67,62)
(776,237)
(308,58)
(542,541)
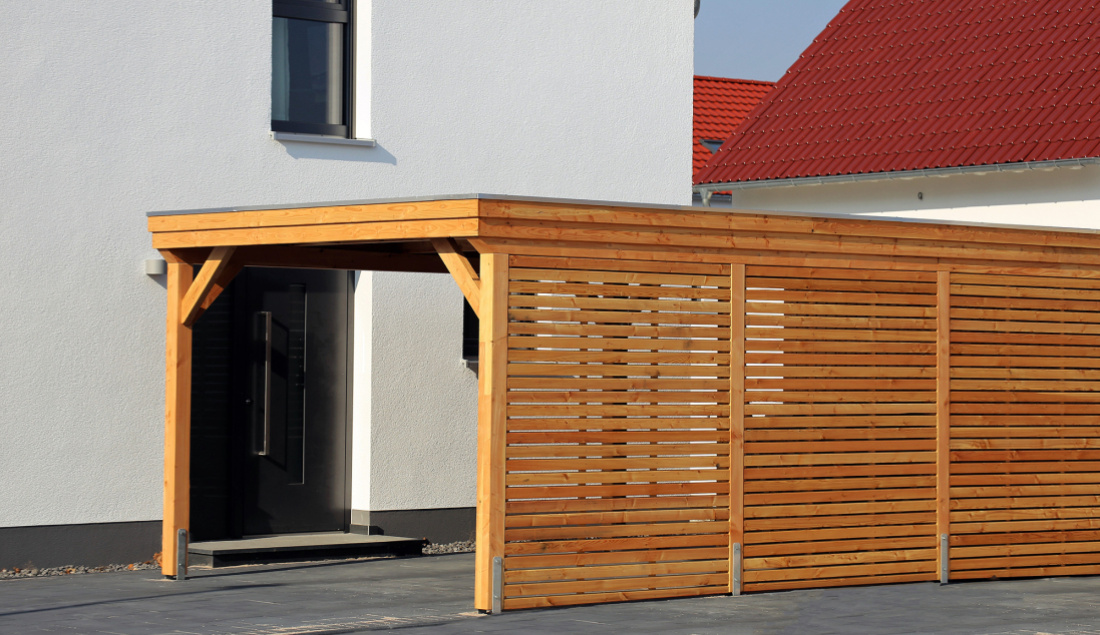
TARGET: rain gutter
(706,190)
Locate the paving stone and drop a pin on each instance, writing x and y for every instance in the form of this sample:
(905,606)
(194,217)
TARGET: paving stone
(434,594)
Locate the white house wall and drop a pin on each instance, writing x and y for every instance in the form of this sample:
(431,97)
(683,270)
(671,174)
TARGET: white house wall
(424,450)
(1056,197)
(114,109)
(553,100)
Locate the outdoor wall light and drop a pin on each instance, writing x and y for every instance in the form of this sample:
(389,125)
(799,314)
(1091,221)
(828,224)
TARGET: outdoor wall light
(156,267)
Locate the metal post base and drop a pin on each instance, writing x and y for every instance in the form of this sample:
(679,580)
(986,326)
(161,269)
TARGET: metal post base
(945,563)
(736,587)
(498,585)
(181,555)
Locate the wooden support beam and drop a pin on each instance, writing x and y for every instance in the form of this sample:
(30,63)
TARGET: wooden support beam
(737,423)
(360,232)
(491,419)
(306,257)
(177,417)
(943,416)
(182,256)
(214,277)
(461,270)
(220,283)
(317,258)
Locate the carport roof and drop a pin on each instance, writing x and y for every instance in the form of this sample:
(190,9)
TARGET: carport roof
(404,234)
(470,205)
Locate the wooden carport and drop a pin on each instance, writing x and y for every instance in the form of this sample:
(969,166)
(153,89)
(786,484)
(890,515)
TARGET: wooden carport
(683,401)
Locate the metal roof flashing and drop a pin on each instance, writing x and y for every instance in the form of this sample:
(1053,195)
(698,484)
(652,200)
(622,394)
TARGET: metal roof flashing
(901,174)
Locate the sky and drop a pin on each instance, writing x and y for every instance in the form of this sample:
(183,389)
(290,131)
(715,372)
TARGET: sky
(757,39)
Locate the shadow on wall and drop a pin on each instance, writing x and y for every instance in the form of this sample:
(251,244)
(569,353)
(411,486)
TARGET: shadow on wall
(363,154)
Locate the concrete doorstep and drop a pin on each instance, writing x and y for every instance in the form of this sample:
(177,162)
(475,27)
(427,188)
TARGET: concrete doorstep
(299,547)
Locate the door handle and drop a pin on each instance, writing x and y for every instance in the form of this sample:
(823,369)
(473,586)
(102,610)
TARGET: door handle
(264,322)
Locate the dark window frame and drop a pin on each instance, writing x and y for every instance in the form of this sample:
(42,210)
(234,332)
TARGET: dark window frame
(471,329)
(712,144)
(338,12)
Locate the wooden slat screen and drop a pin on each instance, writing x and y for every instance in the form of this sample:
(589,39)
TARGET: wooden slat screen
(840,427)
(623,473)
(1025,426)
(617,449)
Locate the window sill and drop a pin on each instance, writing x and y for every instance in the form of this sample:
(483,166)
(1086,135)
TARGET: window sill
(293,137)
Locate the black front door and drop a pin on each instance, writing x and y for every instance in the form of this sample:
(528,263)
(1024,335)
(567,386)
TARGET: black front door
(269,406)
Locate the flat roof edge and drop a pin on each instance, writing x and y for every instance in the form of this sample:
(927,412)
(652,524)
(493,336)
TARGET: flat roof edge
(605,203)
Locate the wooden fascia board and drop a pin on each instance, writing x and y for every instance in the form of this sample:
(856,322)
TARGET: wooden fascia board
(325,215)
(213,278)
(711,222)
(461,270)
(419,220)
(561,249)
(672,239)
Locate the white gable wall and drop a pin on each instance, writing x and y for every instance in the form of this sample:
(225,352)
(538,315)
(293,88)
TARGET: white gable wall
(115,109)
(1066,197)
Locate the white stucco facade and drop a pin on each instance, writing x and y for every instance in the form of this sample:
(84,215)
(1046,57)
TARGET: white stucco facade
(116,109)
(1067,196)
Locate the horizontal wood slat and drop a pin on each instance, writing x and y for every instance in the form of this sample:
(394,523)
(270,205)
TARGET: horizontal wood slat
(618,433)
(1025,447)
(618,437)
(840,427)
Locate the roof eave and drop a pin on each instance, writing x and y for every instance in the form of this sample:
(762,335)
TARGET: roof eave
(704,188)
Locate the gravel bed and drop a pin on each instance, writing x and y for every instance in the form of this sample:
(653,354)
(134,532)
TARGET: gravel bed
(34,572)
(462,546)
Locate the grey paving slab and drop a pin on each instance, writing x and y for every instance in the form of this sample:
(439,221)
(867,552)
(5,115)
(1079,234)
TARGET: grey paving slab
(435,595)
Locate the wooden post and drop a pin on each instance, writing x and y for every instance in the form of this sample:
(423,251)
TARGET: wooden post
(737,426)
(943,420)
(177,417)
(492,384)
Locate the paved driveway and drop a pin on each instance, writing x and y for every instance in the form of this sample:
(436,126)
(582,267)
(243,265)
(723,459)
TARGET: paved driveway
(435,595)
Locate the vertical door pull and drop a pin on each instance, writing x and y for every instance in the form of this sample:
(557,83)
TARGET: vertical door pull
(264,321)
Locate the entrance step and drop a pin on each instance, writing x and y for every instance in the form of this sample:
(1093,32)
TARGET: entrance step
(298,547)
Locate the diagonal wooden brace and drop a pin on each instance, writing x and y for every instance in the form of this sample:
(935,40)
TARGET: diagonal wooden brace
(215,276)
(461,270)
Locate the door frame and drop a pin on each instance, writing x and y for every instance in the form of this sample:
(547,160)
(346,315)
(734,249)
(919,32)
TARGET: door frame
(237,439)
(349,388)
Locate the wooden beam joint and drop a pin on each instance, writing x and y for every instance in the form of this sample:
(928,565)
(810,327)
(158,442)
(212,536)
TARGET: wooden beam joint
(216,274)
(461,270)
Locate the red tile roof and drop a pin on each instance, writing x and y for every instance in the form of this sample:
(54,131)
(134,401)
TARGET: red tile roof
(894,85)
(721,104)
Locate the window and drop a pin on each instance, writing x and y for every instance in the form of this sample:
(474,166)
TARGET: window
(471,331)
(712,144)
(310,67)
